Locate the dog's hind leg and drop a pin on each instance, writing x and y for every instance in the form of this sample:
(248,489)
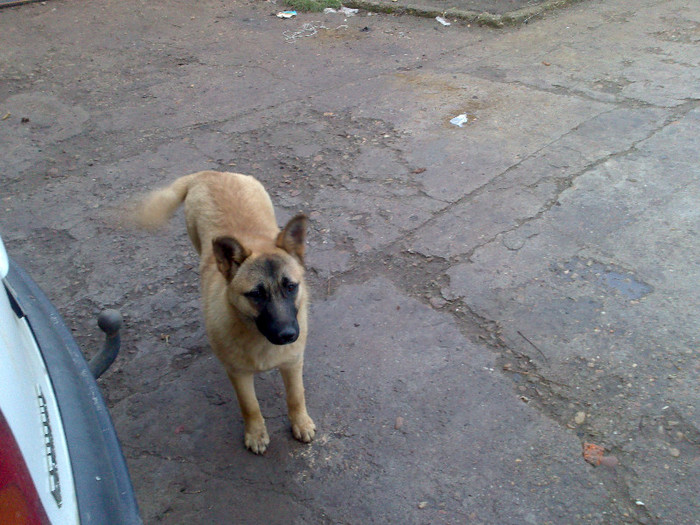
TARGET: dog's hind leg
(256,437)
(303,426)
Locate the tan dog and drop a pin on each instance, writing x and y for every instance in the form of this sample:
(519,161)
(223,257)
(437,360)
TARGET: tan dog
(254,297)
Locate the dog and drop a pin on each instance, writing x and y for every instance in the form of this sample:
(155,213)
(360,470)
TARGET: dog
(254,297)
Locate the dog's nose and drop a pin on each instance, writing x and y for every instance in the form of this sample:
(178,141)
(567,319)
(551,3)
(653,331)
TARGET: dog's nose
(288,335)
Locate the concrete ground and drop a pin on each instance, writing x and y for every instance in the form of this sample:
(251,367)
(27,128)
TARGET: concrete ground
(487,298)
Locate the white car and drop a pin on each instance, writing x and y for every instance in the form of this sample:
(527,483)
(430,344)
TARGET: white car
(60,460)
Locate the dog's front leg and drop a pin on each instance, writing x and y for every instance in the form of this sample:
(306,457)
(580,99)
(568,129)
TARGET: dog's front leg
(303,426)
(256,438)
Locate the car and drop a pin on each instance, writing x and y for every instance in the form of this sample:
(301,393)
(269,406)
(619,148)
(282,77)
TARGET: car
(60,459)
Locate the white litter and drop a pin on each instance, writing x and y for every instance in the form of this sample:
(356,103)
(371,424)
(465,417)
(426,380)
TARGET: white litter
(460,120)
(329,10)
(442,21)
(307,30)
(348,12)
(286,14)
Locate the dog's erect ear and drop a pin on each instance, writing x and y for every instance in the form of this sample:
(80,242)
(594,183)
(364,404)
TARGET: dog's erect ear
(229,254)
(292,239)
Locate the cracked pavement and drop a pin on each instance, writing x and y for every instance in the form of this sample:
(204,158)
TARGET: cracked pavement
(486,298)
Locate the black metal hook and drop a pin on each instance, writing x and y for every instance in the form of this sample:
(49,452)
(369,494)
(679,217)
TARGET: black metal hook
(109,321)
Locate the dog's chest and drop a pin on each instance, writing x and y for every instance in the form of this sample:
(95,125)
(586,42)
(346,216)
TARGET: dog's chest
(257,357)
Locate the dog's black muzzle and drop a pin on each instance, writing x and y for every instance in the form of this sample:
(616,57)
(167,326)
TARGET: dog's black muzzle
(278,323)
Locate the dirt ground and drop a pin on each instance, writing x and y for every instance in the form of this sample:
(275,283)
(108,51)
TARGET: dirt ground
(487,298)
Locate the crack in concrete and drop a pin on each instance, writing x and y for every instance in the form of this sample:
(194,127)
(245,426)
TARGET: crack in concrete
(498,177)
(404,267)
(565,183)
(546,395)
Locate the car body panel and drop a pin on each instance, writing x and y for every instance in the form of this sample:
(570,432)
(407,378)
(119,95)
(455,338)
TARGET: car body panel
(69,394)
(28,403)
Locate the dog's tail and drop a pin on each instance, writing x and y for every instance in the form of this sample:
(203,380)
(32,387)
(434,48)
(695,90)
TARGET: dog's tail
(154,209)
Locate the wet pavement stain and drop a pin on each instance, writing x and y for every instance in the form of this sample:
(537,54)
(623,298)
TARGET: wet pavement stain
(611,278)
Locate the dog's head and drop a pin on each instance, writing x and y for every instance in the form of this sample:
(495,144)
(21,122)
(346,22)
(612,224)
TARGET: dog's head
(267,287)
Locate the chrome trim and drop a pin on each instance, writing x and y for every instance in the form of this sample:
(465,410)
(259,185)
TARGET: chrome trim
(54,480)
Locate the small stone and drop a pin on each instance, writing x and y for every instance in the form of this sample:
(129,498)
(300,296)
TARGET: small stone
(580,418)
(422,504)
(399,423)
(437,302)
(593,453)
(674,452)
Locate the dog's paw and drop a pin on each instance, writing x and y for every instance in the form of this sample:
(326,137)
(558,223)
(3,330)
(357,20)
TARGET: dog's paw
(303,428)
(257,440)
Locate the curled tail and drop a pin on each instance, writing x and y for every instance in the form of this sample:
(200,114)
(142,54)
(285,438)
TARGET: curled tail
(154,209)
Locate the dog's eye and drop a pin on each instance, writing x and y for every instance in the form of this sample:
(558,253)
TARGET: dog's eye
(256,294)
(291,287)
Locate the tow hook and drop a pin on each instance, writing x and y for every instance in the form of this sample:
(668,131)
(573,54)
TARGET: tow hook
(109,321)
